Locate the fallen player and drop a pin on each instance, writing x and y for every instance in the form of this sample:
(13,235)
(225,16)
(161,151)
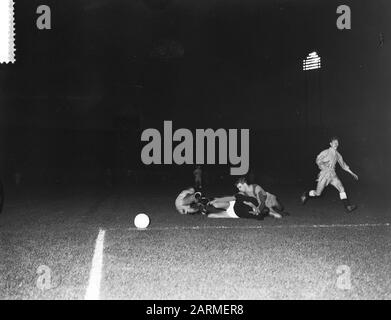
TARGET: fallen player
(237,206)
(265,199)
(191,202)
(186,202)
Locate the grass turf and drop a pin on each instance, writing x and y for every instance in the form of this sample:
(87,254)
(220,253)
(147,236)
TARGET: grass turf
(191,257)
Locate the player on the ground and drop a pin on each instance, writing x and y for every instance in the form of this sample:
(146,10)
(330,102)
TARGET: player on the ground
(326,162)
(237,206)
(265,199)
(186,202)
(191,202)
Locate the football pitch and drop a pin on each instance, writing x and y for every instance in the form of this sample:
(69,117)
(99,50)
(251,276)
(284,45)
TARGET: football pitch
(81,243)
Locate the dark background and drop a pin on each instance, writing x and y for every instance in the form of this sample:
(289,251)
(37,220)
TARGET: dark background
(79,95)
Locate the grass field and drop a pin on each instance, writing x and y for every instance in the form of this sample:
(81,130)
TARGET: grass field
(51,234)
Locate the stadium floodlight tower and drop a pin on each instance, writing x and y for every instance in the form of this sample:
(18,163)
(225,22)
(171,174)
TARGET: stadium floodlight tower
(312,62)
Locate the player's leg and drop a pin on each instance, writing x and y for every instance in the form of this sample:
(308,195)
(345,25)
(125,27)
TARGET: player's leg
(279,208)
(342,195)
(228,210)
(271,203)
(274,214)
(215,207)
(314,193)
(221,205)
(228,213)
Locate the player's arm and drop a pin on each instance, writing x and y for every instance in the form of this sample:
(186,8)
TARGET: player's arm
(253,207)
(345,167)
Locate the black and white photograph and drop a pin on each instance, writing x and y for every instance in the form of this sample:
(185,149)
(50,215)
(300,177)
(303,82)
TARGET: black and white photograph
(195,150)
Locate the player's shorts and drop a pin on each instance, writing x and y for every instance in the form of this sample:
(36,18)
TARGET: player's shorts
(327,176)
(230,211)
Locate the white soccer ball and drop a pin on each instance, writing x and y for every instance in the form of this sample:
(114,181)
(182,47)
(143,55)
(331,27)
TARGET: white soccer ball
(141,221)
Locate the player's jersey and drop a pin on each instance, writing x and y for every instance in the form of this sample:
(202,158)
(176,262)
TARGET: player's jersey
(253,187)
(326,161)
(271,199)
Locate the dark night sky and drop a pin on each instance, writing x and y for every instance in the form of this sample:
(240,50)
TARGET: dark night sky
(241,68)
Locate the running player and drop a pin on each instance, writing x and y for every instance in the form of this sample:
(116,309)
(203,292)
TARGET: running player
(326,162)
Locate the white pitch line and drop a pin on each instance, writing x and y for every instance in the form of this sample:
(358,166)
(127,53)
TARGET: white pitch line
(363,225)
(93,288)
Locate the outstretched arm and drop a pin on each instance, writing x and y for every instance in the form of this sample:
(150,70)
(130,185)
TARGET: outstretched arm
(345,167)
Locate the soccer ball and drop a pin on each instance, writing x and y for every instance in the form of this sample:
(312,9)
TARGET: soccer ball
(141,221)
